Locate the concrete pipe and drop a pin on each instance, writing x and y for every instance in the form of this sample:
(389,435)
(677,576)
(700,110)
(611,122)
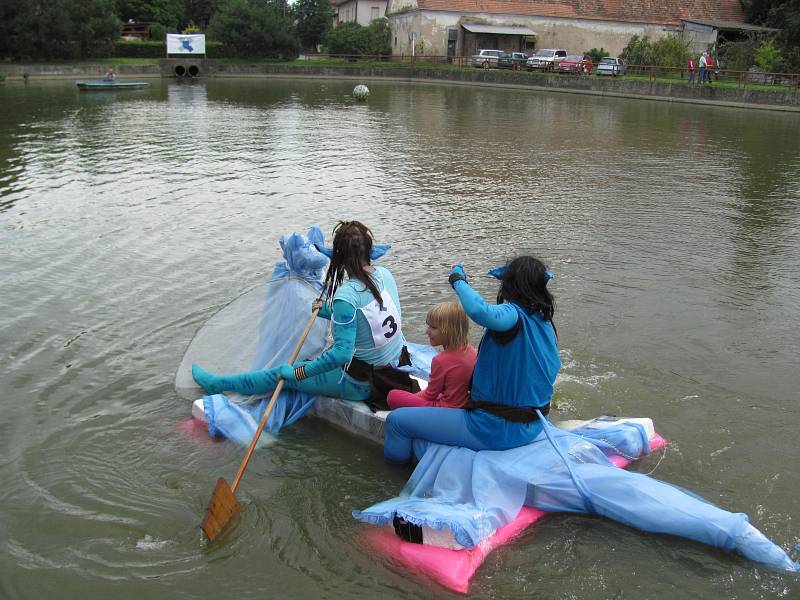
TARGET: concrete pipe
(180,71)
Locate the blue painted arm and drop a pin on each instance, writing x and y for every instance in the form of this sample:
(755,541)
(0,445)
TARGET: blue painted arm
(325,311)
(344,341)
(497,317)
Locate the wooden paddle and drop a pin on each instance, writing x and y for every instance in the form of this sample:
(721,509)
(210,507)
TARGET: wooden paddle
(223,504)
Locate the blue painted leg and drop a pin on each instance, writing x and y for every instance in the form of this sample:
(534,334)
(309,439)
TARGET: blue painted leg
(254,382)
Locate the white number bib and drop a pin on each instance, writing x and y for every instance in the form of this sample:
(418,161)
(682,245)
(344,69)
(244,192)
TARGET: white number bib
(384,323)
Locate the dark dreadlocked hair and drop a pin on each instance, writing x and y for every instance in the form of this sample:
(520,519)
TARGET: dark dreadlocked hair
(352,246)
(524,283)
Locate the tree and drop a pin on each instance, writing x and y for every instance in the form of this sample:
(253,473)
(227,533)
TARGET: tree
(199,12)
(252,28)
(767,56)
(783,15)
(639,51)
(314,18)
(670,51)
(57,29)
(352,38)
(380,37)
(167,12)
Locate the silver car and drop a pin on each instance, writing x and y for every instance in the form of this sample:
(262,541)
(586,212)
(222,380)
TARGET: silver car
(546,59)
(485,58)
(610,66)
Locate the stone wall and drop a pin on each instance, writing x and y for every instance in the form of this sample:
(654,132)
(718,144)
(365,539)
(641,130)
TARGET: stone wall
(608,86)
(621,87)
(40,71)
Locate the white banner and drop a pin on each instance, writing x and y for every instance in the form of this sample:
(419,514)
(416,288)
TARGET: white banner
(186,44)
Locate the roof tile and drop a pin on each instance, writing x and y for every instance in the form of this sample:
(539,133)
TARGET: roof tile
(634,11)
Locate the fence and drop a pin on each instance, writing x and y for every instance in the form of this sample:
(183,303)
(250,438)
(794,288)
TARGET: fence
(741,79)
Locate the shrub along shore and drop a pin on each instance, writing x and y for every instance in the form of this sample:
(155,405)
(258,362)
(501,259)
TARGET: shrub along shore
(629,86)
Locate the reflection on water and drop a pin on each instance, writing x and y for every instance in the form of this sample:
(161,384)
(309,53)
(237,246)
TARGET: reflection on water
(127,219)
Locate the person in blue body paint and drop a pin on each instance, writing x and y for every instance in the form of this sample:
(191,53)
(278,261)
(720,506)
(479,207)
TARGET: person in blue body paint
(514,375)
(367,330)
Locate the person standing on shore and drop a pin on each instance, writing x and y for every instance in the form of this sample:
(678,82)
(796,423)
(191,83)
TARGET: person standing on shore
(691,67)
(703,67)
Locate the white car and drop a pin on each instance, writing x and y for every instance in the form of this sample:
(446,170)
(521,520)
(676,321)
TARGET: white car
(485,58)
(546,59)
(610,66)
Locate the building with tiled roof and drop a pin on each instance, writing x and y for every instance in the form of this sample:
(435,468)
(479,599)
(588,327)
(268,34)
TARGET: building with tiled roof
(357,11)
(460,27)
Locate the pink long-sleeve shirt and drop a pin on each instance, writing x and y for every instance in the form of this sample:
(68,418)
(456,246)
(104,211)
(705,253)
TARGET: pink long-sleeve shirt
(451,373)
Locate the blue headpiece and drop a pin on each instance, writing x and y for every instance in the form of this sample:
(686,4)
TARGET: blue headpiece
(378,250)
(497,273)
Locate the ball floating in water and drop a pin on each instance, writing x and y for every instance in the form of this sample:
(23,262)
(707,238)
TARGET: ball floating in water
(361,92)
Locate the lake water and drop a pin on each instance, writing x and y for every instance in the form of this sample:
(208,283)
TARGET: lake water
(128,218)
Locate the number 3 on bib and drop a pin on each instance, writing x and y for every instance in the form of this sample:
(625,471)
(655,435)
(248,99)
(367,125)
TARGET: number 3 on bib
(390,327)
(383,318)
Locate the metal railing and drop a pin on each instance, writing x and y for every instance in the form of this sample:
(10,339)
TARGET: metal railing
(654,73)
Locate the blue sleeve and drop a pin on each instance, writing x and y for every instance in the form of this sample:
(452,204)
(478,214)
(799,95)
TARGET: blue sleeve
(497,317)
(325,311)
(344,341)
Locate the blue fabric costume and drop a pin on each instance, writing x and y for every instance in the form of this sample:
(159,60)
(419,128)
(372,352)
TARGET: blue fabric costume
(520,372)
(363,328)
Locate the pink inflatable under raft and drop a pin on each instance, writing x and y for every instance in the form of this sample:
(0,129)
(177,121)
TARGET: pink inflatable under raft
(454,569)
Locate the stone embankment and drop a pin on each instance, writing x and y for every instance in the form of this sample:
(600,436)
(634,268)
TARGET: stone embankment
(744,97)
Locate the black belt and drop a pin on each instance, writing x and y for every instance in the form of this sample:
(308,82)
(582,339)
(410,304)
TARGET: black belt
(514,414)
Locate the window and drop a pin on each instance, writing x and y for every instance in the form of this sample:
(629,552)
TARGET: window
(373,13)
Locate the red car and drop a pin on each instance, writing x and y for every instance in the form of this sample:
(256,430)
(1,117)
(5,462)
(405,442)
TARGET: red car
(575,63)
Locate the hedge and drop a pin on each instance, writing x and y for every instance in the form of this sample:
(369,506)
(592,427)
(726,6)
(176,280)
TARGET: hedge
(152,49)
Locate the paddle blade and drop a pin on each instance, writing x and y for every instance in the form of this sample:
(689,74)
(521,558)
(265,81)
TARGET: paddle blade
(221,508)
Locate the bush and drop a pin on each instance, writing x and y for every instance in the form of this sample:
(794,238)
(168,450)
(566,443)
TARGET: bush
(192,27)
(668,51)
(768,57)
(380,37)
(158,32)
(140,49)
(352,38)
(739,55)
(596,54)
(639,51)
(251,28)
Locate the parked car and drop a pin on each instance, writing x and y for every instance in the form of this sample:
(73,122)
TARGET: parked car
(575,63)
(485,58)
(610,66)
(512,60)
(546,59)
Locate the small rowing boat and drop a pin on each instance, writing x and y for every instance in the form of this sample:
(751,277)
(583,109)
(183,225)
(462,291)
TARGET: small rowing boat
(102,84)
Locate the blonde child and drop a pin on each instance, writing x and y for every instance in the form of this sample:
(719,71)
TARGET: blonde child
(451,369)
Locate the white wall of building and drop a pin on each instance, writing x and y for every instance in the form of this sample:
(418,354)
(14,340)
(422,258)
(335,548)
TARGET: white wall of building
(427,31)
(362,12)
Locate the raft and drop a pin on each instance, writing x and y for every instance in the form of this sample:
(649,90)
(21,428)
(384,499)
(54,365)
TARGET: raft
(565,472)
(102,84)
(448,567)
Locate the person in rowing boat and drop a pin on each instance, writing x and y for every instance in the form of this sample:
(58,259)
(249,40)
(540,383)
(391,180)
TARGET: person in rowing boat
(514,374)
(368,338)
(110,75)
(451,369)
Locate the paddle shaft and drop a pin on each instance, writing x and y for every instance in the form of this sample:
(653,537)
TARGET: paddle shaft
(271,404)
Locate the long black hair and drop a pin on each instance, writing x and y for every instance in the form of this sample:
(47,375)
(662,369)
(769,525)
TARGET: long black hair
(352,246)
(524,283)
